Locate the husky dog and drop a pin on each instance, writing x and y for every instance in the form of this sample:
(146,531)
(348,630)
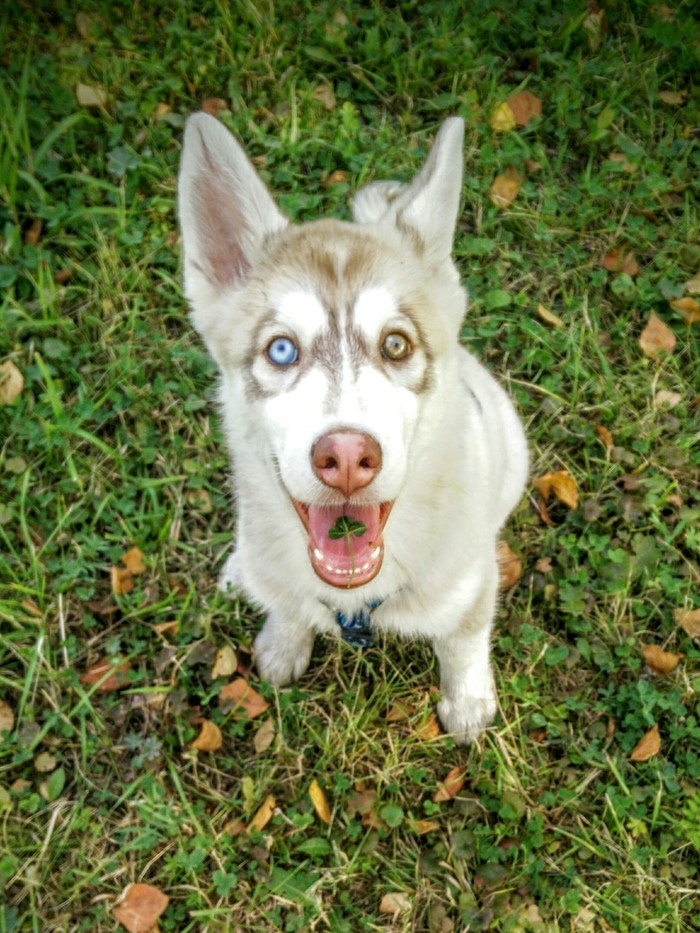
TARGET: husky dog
(374,459)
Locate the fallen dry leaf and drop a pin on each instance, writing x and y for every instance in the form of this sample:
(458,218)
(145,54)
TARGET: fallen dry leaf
(122,580)
(240,694)
(324,95)
(648,746)
(11,382)
(226,663)
(45,762)
(161,109)
(7,718)
(688,308)
(338,177)
(89,96)
(675,98)
(139,907)
(524,106)
(692,286)
(657,338)
(263,815)
(201,500)
(423,827)
(107,676)
(544,565)
(320,802)
(214,106)
(549,316)
(430,729)
(663,398)
(562,484)
(621,260)
(605,436)
(504,189)
(31,237)
(167,628)
(689,621)
(622,160)
(451,786)
(394,903)
(660,661)
(133,561)
(502,119)
(209,738)
(264,736)
(510,567)
(400,711)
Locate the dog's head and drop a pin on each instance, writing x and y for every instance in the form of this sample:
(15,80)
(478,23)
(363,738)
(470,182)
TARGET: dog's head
(335,333)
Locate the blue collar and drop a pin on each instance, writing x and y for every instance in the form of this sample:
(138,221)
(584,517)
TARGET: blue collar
(356,629)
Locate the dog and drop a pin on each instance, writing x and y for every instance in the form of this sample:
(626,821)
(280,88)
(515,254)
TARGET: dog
(374,459)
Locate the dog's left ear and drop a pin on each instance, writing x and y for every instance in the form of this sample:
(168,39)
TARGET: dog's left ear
(225,209)
(430,203)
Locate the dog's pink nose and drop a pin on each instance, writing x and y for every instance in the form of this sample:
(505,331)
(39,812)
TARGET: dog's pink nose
(346,460)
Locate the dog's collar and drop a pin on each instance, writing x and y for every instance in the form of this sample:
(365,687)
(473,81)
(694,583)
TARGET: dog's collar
(356,629)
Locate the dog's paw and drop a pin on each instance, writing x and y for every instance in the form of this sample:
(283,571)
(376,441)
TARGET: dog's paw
(230,576)
(466,718)
(282,657)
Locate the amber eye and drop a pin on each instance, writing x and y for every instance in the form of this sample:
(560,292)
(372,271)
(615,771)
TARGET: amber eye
(396,347)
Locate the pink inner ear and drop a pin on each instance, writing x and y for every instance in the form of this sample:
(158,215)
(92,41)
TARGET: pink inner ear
(221,228)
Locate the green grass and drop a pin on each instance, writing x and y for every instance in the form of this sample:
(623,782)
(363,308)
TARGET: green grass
(113,443)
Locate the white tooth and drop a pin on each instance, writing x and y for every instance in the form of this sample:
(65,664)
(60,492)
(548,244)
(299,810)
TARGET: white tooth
(375,553)
(318,554)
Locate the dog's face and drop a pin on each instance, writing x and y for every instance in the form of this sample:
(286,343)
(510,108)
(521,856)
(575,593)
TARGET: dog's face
(330,331)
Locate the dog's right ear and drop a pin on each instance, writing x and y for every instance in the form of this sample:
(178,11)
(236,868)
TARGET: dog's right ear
(225,209)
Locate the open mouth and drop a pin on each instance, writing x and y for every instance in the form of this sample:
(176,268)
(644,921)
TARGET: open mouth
(345,541)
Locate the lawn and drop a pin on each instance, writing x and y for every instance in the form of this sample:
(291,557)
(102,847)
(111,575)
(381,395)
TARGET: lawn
(334,804)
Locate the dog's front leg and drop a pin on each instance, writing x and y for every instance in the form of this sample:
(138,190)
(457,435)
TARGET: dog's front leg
(283,649)
(468,694)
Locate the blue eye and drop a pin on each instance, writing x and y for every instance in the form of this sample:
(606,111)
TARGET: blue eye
(282,352)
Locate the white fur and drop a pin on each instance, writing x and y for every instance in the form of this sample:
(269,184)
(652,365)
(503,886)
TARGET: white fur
(454,453)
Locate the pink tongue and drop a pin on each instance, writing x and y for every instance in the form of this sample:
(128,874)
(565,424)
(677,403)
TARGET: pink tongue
(343,552)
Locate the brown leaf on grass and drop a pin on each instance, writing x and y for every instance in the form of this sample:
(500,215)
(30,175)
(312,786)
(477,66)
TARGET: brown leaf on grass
(621,260)
(692,286)
(689,621)
(504,189)
(622,160)
(544,565)
(394,903)
(31,237)
(139,908)
(238,694)
(225,664)
(423,827)
(430,729)
(399,711)
(320,801)
(90,96)
(201,500)
(323,93)
(263,815)
(562,484)
(648,746)
(133,561)
(264,737)
(214,106)
(549,316)
(524,106)
(502,119)
(510,567)
(338,177)
(361,802)
(45,762)
(107,676)
(61,276)
(161,109)
(11,382)
(451,786)
(660,661)
(688,308)
(657,339)
(675,98)
(7,718)
(605,436)
(166,628)
(122,580)
(209,738)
